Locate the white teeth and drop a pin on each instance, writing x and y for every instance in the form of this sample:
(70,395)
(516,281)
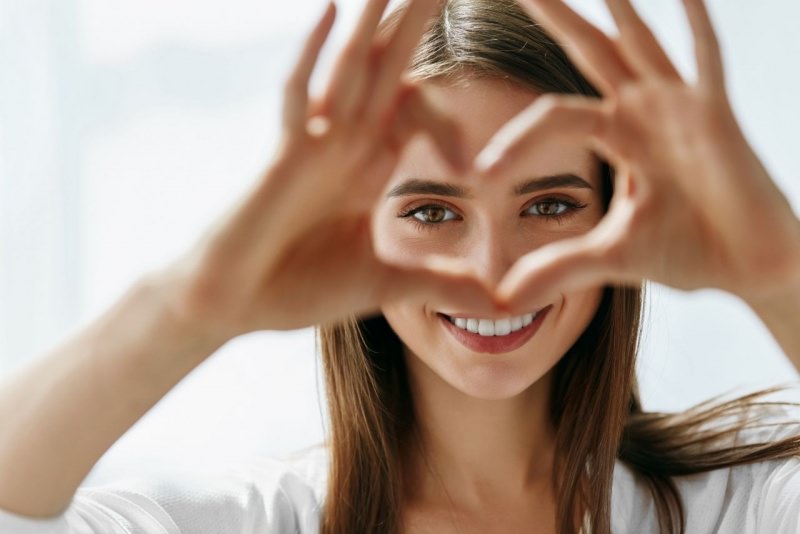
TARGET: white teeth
(488,327)
(502,327)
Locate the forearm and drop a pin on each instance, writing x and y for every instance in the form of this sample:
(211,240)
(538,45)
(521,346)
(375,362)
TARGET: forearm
(61,413)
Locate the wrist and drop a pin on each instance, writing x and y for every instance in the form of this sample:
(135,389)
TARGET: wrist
(160,293)
(779,309)
(780,305)
(781,292)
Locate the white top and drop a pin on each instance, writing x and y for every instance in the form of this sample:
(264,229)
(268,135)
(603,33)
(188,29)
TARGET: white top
(271,496)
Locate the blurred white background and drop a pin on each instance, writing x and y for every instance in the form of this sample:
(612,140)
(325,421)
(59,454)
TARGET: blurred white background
(128,127)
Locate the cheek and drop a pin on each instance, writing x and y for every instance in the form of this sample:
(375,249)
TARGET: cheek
(398,240)
(416,330)
(409,322)
(576,312)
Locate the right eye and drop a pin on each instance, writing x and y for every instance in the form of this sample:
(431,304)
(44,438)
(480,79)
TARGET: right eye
(430,214)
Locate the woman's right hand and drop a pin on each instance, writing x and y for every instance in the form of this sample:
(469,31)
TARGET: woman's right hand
(297,251)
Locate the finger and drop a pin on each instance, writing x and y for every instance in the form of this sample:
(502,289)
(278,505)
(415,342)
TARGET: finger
(560,267)
(448,282)
(639,45)
(591,49)
(419,113)
(550,119)
(709,57)
(372,180)
(296,89)
(396,55)
(350,75)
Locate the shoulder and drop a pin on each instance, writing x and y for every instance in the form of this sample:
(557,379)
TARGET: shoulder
(775,483)
(761,496)
(300,476)
(271,495)
(292,486)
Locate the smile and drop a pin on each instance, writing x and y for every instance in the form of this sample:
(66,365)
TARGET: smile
(494,336)
(488,327)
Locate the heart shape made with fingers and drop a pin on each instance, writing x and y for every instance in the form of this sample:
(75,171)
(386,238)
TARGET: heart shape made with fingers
(684,175)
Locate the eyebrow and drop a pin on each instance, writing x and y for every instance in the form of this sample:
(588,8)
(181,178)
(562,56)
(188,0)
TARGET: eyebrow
(417,186)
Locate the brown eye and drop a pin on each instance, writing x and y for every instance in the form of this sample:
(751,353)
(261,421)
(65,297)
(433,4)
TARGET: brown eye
(552,207)
(434,214)
(549,207)
(431,214)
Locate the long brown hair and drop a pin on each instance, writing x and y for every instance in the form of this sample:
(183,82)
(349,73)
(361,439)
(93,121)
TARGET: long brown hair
(594,403)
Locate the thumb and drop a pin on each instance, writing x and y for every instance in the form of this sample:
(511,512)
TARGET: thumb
(559,267)
(449,283)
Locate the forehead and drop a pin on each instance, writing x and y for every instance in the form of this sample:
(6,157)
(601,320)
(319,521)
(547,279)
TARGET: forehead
(481,107)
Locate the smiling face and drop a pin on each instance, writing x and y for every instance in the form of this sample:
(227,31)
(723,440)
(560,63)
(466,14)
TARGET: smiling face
(427,210)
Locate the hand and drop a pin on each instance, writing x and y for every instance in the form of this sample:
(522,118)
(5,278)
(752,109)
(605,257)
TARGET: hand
(296,251)
(693,206)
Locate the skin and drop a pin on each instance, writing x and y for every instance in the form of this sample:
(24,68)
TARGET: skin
(460,394)
(298,250)
(684,169)
(293,252)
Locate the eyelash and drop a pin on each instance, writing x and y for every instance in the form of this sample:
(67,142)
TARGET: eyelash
(572,208)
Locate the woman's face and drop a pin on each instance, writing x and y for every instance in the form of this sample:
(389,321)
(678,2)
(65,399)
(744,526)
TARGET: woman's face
(490,225)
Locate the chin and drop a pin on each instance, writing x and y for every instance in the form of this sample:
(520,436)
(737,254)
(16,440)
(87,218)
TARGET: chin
(489,358)
(494,384)
(475,368)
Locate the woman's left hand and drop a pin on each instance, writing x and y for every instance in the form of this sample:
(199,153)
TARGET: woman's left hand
(693,206)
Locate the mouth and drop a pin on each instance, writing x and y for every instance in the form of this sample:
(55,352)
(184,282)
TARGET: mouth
(494,336)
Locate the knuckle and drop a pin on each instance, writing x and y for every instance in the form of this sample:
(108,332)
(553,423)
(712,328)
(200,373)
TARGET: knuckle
(349,53)
(647,200)
(376,53)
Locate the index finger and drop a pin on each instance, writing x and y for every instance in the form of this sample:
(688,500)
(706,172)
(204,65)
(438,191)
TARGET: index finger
(296,87)
(591,49)
(397,53)
(709,58)
(349,72)
(640,46)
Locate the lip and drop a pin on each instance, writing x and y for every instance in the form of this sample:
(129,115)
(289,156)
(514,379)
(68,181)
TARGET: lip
(495,344)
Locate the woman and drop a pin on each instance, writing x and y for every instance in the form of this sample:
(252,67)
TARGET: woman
(480,320)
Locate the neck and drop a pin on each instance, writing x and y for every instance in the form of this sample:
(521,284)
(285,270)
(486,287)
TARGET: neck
(474,451)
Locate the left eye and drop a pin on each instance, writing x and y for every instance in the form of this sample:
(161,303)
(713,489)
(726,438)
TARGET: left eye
(432,214)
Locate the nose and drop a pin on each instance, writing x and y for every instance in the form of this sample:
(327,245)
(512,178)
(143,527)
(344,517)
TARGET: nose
(492,256)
